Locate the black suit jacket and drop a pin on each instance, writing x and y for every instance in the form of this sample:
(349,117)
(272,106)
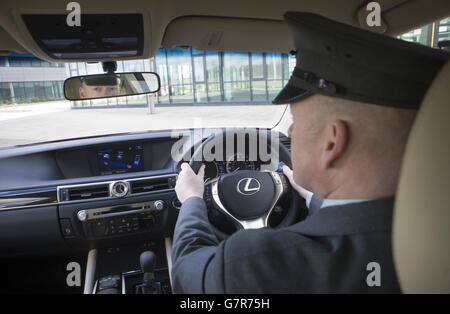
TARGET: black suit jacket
(326,253)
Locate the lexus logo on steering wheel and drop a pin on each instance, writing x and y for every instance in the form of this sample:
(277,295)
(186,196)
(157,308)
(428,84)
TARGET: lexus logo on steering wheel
(248,186)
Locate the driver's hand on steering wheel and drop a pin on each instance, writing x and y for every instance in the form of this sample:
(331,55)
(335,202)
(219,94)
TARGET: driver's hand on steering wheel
(290,175)
(188,183)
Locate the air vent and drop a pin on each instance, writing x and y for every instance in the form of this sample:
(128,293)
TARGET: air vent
(114,189)
(151,185)
(286,141)
(84,193)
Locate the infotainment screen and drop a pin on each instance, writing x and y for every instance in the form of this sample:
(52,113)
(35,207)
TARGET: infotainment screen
(120,159)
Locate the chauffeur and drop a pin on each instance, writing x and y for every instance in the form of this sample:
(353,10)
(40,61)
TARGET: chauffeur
(99,86)
(353,96)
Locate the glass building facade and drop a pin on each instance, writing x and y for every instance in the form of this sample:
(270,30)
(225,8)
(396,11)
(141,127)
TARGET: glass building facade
(31,91)
(17,60)
(214,77)
(25,78)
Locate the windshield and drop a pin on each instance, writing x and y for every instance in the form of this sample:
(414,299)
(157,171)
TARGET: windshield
(198,89)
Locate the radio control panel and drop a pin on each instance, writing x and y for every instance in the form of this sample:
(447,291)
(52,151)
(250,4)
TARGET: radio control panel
(121,219)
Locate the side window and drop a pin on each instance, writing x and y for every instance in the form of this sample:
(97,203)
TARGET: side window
(444,30)
(430,35)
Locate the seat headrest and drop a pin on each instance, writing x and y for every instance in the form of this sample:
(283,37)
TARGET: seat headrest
(421,226)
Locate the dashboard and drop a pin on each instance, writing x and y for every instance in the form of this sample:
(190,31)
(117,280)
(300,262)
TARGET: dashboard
(115,158)
(96,192)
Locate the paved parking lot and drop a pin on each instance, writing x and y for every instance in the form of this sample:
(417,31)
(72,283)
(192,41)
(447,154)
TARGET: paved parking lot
(30,123)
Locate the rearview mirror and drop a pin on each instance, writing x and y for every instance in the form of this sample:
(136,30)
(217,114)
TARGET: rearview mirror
(111,85)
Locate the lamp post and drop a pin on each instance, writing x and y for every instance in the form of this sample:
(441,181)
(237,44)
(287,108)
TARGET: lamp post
(151,103)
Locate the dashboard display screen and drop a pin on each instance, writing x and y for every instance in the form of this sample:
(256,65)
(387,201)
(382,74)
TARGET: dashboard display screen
(121,159)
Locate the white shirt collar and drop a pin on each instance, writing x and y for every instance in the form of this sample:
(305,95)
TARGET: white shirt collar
(327,202)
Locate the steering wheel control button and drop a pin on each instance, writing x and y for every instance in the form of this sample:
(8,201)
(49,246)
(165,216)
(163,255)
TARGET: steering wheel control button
(82,215)
(207,195)
(280,179)
(119,188)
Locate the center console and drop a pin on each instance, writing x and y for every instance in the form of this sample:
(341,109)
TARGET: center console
(126,224)
(116,213)
(136,269)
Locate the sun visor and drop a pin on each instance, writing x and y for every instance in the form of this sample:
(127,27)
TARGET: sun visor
(9,44)
(220,34)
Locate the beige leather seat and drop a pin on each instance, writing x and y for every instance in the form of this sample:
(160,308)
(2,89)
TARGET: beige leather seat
(421,230)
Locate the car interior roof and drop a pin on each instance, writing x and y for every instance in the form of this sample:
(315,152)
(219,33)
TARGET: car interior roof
(173,23)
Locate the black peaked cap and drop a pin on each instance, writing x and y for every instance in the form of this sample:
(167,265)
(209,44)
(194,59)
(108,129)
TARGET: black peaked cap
(339,60)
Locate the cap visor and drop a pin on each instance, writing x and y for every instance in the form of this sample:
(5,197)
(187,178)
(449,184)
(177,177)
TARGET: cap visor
(102,81)
(290,94)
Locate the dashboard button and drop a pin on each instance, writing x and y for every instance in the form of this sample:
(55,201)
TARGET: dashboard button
(159,205)
(176,203)
(66,227)
(82,215)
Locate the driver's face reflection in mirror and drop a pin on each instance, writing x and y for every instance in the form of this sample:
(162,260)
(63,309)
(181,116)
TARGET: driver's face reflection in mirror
(106,88)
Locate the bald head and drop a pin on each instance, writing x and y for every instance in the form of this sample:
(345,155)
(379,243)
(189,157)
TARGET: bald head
(348,149)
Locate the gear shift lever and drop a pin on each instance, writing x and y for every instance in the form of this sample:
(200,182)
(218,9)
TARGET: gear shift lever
(149,285)
(147,260)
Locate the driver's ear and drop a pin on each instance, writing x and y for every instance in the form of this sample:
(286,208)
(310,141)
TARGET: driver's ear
(336,138)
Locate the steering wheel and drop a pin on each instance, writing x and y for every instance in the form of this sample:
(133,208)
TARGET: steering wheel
(248,197)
